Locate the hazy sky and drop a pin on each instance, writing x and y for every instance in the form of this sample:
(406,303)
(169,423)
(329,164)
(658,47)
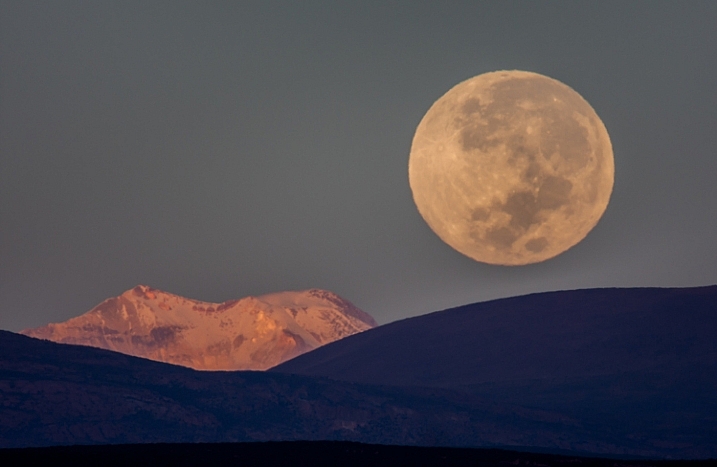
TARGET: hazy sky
(223,149)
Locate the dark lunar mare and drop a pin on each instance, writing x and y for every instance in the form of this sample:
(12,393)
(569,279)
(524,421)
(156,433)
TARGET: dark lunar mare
(482,127)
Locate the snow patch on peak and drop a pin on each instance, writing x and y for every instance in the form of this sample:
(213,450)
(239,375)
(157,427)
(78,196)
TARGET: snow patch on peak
(252,333)
(318,298)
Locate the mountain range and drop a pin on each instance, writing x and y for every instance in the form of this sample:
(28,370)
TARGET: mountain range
(254,333)
(620,372)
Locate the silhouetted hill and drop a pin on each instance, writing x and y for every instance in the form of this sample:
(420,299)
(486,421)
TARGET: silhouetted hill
(547,336)
(60,394)
(609,379)
(308,454)
(639,362)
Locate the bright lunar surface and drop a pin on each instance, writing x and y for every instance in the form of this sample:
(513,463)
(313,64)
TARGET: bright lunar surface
(511,167)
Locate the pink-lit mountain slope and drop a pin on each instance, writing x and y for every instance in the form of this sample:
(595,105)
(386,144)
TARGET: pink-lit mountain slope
(253,333)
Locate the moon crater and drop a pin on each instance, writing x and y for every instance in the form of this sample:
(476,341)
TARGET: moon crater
(511,167)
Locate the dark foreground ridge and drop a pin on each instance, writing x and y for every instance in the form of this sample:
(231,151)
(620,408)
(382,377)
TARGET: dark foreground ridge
(611,372)
(58,394)
(573,334)
(309,454)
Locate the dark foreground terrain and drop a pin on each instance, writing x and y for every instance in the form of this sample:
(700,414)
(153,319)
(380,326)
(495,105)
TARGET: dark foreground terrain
(57,394)
(667,333)
(611,372)
(306,453)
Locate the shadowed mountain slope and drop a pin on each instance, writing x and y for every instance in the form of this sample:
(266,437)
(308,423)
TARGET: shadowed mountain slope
(570,335)
(309,454)
(59,394)
(253,333)
(618,372)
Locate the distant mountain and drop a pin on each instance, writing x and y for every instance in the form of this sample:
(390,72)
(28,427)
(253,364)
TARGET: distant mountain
(541,337)
(253,333)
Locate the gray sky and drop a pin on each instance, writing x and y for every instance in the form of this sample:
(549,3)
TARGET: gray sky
(223,149)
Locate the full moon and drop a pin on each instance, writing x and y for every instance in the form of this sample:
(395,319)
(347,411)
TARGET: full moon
(511,168)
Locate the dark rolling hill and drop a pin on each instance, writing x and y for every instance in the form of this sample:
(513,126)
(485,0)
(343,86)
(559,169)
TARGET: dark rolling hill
(309,454)
(547,336)
(607,372)
(59,394)
(639,362)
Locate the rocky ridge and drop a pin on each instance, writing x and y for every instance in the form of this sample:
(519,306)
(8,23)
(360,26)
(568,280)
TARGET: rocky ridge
(253,333)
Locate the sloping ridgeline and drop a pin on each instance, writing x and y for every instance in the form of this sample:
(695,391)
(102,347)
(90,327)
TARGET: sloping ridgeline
(309,454)
(55,394)
(640,363)
(59,394)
